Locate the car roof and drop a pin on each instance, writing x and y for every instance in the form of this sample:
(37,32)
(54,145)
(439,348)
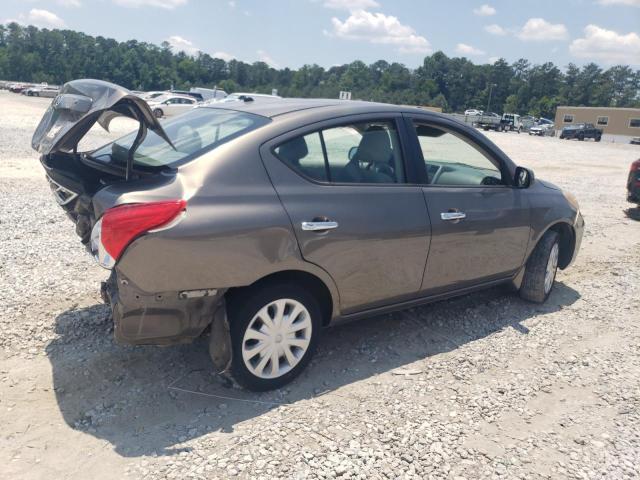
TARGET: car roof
(272,108)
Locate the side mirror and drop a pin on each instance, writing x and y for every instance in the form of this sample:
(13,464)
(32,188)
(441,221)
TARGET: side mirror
(523,177)
(352,152)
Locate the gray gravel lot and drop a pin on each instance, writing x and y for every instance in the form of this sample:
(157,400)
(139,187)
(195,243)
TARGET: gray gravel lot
(484,386)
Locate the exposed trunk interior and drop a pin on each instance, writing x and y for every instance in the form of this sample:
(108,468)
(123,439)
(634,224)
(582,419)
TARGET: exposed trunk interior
(74,184)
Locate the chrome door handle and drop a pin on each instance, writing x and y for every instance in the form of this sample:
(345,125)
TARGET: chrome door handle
(447,216)
(318,226)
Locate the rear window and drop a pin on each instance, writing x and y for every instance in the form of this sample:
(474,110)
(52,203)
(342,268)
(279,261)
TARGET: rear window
(194,132)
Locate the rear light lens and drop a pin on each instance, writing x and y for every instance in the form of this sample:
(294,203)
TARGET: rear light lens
(120,225)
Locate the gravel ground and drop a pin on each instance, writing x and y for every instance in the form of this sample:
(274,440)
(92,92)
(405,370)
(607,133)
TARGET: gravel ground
(484,386)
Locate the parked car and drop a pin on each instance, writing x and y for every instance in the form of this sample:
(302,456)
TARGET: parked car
(248,97)
(472,112)
(188,93)
(635,141)
(149,96)
(207,94)
(42,91)
(543,128)
(527,121)
(18,87)
(581,131)
(633,183)
(170,105)
(268,221)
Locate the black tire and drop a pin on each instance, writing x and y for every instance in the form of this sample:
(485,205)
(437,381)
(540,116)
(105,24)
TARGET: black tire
(533,283)
(158,113)
(598,138)
(241,309)
(581,137)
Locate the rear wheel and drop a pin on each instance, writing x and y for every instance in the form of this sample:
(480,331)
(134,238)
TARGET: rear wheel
(598,138)
(157,112)
(581,137)
(274,333)
(541,268)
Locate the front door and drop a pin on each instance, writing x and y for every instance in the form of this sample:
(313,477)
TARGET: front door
(343,187)
(480,223)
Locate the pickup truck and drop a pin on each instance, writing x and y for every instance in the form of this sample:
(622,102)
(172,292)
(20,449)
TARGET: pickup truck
(509,122)
(581,131)
(490,121)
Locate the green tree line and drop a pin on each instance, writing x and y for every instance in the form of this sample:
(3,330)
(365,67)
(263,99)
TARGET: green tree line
(30,54)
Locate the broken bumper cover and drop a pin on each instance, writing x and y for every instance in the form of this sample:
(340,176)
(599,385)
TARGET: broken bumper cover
(165,318)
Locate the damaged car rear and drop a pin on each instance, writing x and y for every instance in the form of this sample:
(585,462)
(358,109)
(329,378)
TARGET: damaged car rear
(133,207)
(265,221)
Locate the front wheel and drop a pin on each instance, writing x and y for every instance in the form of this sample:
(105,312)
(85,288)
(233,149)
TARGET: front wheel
(274,333)
(541,268)
(157,112)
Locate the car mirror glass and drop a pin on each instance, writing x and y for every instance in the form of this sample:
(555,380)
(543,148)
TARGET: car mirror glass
(523,177)
(352,152)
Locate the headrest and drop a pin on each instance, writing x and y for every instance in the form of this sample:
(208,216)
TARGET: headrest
(375,146)
(293,150)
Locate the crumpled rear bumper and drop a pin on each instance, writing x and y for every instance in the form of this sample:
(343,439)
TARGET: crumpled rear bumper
(160,318)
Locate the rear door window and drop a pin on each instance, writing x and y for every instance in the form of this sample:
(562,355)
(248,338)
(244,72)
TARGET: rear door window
(364,152)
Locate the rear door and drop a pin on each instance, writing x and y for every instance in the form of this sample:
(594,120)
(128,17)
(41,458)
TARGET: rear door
(480,224)
(343,184)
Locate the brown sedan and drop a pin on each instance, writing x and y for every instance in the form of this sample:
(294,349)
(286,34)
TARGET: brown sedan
(267,220)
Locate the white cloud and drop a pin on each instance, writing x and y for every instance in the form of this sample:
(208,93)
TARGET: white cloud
(180,44)
(464,49)
(166,4)
(232,3)
(484,11)
(223,56)
(495,29)
(350,5)
(539,30)
(378,28)
(493,60)
(43,18)
(631,3)
(607,46)
(266,58)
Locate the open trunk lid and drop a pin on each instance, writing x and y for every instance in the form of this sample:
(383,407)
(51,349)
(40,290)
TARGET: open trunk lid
(82,103)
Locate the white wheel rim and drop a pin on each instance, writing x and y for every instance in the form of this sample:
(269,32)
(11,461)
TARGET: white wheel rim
(277,338)
(552,266)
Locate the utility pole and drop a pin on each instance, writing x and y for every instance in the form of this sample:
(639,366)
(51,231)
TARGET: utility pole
(491,85)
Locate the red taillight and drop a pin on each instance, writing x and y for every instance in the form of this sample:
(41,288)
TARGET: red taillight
(122,224)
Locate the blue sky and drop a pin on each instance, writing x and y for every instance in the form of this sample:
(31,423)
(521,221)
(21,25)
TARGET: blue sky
(290,33)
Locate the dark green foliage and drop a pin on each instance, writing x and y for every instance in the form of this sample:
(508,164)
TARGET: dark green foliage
(455,84)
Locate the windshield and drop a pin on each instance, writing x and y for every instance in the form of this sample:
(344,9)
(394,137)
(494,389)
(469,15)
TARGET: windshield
(199,130)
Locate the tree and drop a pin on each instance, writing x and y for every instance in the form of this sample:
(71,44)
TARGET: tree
(455,84)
